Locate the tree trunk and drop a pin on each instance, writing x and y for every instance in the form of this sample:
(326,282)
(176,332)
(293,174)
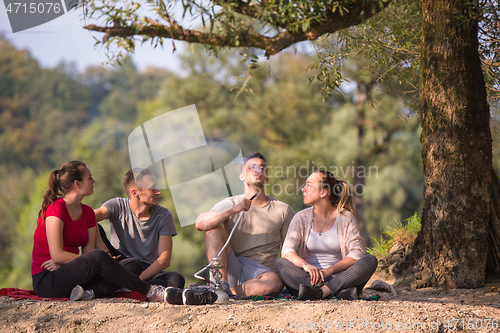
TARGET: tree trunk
(362,93)
(451,249)
(493,230)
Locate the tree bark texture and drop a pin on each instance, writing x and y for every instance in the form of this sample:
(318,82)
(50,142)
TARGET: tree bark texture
(451,249)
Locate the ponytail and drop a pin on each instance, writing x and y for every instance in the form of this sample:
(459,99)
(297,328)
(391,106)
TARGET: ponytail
(339,191)
(345,200)
(61,182)
(52,193)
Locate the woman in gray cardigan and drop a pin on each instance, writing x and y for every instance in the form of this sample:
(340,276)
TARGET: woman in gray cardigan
(323,252)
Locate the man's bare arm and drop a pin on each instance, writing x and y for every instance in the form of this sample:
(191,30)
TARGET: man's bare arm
(163,261)
(99,244)
(101,213)
(209,220)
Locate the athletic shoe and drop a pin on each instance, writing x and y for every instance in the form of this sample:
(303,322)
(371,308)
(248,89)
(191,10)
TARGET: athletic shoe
(348,294)
(198,296)
(174,295)
(226,288)
(79,294)
(157,294)
(310,293)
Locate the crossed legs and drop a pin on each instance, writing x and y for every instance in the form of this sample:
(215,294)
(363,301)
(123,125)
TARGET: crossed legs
(265,284)
(355,276)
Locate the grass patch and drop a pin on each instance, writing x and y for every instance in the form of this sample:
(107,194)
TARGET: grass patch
(404,232)
(380,248)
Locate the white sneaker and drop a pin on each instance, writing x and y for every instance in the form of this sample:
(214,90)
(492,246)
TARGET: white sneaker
(79,294)
(157,294)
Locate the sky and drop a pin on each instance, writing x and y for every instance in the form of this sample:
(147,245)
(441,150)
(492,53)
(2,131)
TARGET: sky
(64,39)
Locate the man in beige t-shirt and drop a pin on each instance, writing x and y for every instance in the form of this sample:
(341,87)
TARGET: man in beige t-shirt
(255,244)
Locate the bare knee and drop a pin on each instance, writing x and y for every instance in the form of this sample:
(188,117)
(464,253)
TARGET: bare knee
(272,284)
(216,233)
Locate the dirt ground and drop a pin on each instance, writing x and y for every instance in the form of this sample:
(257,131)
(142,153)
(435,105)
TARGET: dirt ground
(422,310)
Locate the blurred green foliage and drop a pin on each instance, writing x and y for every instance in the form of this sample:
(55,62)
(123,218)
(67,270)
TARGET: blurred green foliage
(49,116)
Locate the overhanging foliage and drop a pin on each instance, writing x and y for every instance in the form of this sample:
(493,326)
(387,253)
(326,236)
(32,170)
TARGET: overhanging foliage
(268,25)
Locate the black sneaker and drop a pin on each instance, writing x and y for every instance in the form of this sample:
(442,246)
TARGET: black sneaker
(310,293)
(348,294)
(174,295)
(198,296)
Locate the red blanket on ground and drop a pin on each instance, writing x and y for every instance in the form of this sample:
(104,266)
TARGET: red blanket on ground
(18,294)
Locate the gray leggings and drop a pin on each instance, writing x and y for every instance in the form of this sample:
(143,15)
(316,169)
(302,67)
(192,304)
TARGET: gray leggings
(356,275)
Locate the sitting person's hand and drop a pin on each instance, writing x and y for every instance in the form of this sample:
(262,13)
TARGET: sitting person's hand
(245,205)
(50,265)
(317,275)
(114,257)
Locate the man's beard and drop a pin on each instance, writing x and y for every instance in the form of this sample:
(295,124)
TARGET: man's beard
(149,203)
(257,184)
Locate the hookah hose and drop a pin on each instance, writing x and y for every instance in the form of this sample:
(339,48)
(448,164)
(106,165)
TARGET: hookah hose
(196,275)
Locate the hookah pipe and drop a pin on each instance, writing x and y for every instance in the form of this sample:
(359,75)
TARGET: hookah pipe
(215,265)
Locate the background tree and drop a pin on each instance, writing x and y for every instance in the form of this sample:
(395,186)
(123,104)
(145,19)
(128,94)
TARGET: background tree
(461,189)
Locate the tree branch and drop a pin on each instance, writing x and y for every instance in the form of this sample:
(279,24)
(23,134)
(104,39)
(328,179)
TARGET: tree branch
(329,23)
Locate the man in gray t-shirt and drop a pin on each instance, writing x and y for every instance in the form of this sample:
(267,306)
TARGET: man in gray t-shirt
(141,229)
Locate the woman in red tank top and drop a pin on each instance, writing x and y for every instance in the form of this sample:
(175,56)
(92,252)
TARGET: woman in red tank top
(66,227)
